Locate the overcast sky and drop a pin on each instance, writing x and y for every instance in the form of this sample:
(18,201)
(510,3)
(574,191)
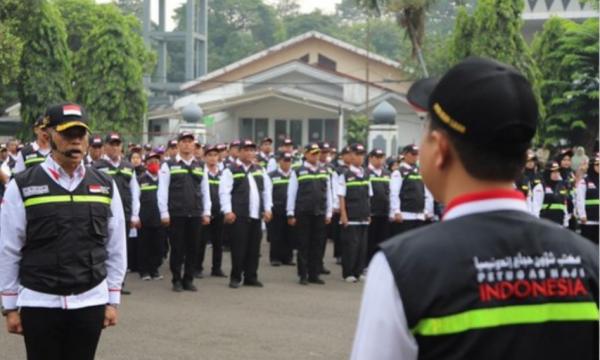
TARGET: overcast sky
(327,6)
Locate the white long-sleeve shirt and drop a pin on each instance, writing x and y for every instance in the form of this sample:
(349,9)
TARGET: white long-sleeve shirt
(20,161)
(580,195)
(382,332)
(341,189)
(395,206)
(164,180)
(226,186)
(134,187)
(13,224)
(293,192)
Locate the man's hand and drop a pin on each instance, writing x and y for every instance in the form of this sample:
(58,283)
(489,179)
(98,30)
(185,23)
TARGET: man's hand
(230,218)
(13,323)
(583,220)
(136,224)
(292,221)
(327,220)
(344,219)
(111,315)
(267,216)
(205,220)
(398,218)
(165,222)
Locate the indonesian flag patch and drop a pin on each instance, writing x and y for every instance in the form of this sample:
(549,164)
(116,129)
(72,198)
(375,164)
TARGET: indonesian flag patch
(71,110)
(98,189)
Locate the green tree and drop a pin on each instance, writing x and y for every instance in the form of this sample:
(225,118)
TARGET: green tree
(495,31)
(567,53)
(110,61)
(10,54)
(45,76)
(356,129)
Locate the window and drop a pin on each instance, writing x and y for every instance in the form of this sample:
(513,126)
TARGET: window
(323,130)
(288,128)
(304,59)
(254,129)
(327,63)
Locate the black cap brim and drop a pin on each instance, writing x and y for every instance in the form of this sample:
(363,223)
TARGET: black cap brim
(420,91)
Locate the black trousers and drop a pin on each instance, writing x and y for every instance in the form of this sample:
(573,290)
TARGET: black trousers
(151,244)
(354,253)
(57,334)
(406,225)
(335,235)
(184,234)
(280,237)
(212,233)
(379,231)
(310,232)
(590,232)
(245,239)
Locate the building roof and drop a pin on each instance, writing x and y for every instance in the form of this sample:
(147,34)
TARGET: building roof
(286,44)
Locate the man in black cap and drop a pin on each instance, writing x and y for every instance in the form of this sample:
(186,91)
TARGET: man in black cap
(490,281)
(411,203)
(35,152)
(568,175)
(309,210)
(588,201)
(245,194)
(62,247)
(278,230)
(234,151)
(184,204)
(326,161)
(354,191)
(152,234)
(549,198)
(122,171)
(213,232)
(172,150)
(265,157)
(342,166)
(95,150)
(379,176)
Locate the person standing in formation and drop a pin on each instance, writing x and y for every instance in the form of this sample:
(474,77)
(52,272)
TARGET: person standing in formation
(245,194)
(184,204)
(588,200)
(34,153)
(309,210)
(379,176)
(278,231)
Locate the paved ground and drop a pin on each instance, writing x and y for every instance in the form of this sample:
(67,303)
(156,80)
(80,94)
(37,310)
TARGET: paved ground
(281,321)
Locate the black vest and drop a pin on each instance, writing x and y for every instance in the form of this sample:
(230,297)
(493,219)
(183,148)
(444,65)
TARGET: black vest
(380,202)
(358,205)
(240,192)
(214,181)
(280,187)
(122,176)
(498,285)
(185,188)
(311,198)
(523,185)
(555,202)
(263,161)
(592,200)
(149,212)
(412,192)
(31,157)
(11,163)
(64,250)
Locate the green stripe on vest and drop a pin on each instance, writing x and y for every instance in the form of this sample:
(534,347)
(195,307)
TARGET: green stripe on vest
(508,315)
(357,183)
(554,207)
(149,187)
(414,177)
(51,199)
(35,160)
(237,176)
(313,177)
(380,179)
(179,171)
(592,202)
(214,182)
(281,182)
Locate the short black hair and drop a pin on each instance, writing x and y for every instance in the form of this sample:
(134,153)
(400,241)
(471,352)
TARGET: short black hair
(482,163)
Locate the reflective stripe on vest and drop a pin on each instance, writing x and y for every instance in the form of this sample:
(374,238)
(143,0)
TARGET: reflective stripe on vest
(281,182)
(178,171)
(508,315)
(35,160)
(120,171)
(380,179)
(237,176)
(414,177)
(149,187)
(554,207)
(313,177)
(214,182)
(357,183)
(592,202)
(67,198)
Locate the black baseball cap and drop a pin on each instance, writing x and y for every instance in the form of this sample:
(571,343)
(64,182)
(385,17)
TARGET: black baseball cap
(221,147)
(186,135)
(312,148)
(64,116)
(153,154)
(288,141)
(376,153)
(96,141)
(266,140)
(247,143)
(483,102)
(553,166)
(345,150)
(211,148)
(564,153)
(412,148)
(285,156)
(113,137)
(136,147)
(358,148)
(324,146)
(147,147)
(172,143)
(234,143)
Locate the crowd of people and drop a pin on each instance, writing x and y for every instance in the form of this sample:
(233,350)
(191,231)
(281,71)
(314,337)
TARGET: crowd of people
(181,198)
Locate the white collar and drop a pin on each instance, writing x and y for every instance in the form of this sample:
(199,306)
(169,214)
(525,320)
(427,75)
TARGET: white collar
(486,201)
